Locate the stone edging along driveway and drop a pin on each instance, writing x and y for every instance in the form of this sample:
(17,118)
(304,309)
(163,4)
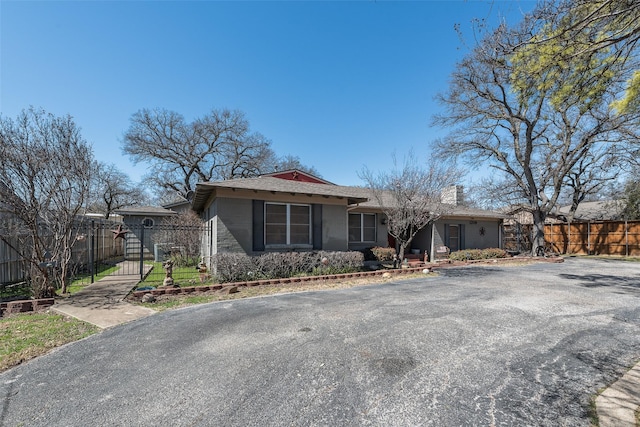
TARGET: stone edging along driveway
(137,295)
(23,306)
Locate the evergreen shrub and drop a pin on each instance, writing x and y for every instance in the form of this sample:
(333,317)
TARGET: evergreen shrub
(474,254)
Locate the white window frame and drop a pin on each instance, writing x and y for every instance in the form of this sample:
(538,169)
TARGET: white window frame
(288,226)
(375,222)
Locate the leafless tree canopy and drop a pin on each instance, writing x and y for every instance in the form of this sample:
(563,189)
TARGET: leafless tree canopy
(290,162)
(410,196)
(45,176)
(531,129)
(112,189)
(217,146)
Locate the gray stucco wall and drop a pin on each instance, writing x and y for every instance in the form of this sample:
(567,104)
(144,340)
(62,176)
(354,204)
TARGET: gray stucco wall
(490,239)
(334,228)
(472,237)
(422,241)
(234,225)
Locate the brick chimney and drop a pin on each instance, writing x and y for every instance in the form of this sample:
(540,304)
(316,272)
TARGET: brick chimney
(452,195)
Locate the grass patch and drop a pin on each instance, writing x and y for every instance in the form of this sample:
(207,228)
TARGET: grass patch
(592,411)
(168,302)
(25,336)
(82,280)
(15,290)
(183,276)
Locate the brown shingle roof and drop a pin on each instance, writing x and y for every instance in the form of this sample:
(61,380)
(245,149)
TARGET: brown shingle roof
(266,183)
(355,195)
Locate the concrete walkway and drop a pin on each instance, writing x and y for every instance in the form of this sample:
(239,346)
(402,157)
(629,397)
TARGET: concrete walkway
(616,405)
(102,303)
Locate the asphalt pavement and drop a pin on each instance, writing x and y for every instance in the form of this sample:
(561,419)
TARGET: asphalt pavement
(477,346)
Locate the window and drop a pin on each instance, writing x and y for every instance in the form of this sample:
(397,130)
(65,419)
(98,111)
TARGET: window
(147,222)
(287,224)
(362,227)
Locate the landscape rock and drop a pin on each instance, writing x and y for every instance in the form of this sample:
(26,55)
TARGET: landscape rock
(226,290)
(148,298)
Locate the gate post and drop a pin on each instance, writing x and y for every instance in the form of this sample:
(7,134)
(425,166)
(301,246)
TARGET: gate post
(142,252)
(92,247)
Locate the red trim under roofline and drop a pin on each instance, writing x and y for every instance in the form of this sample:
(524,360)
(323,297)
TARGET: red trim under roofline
(299,176)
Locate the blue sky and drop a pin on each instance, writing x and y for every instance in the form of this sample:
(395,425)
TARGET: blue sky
(341,85)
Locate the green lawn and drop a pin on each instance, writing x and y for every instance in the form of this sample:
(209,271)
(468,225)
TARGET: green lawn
(183,276)
(15,290)
(25,336)
(80,281)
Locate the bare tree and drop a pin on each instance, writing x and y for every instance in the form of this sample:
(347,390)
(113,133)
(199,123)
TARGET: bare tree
(631,200)
(590,177)
(219,145)
(114,190)
(410,196)
(290,162)
(526,126)
(44,171)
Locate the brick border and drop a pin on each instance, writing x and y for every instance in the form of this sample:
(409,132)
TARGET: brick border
(414,267)
(25,306)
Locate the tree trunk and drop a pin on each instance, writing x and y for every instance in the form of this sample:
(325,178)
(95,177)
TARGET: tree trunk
(401,250)
(537,233)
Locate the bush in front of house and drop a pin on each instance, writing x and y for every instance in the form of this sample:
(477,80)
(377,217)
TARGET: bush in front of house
(383,254)
(237,267)
(233,267)
(329,262)
(473,254)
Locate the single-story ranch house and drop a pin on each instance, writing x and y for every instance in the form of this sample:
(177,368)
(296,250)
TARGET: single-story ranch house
(292,210)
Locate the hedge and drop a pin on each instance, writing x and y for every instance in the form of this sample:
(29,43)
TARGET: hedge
(471,254)
(238,267)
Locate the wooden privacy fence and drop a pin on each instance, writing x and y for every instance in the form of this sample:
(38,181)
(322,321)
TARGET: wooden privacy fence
(95,234)
(594,238)
(11,265)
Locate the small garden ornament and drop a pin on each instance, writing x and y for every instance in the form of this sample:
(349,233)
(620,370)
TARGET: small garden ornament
(202,268)
(168,269)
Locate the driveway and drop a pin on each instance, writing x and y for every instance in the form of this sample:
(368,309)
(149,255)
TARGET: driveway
(479,346)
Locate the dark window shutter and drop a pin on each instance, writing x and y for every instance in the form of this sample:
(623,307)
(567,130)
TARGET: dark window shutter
(446,235)
(316,234)
(258,225)
(461,233)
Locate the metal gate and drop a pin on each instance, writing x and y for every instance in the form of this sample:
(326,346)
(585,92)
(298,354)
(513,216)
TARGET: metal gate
(115,248)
